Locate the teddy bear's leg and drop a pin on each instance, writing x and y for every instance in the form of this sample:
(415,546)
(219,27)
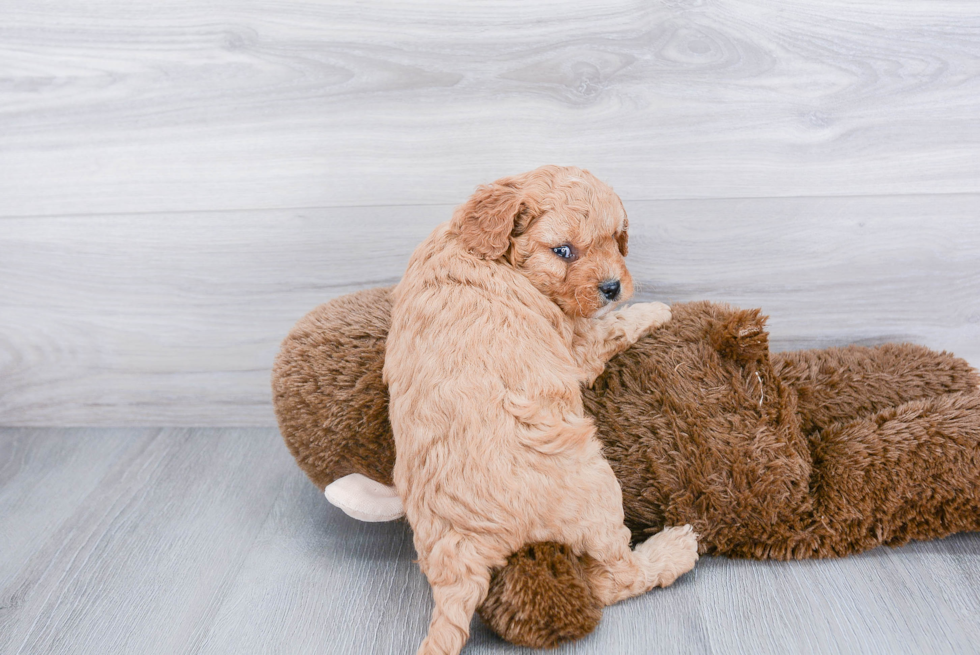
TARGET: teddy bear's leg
(907,472)
(542,597)
(839,384)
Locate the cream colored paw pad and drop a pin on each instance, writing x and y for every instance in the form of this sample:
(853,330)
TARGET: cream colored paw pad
(364,499)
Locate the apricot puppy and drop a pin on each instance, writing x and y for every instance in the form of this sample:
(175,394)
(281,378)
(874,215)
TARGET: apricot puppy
(503,313)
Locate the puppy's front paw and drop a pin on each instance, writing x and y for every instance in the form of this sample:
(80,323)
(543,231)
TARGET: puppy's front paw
(643,318)
(673,551)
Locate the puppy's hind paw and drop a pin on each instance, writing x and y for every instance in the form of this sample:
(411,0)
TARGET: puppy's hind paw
(672,551)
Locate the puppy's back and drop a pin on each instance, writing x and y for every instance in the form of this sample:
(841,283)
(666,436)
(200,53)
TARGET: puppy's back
(467,338)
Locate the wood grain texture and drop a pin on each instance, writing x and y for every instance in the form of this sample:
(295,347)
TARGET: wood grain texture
(174,319)
(148,546)
(177,106)
(818,159)
(212,541)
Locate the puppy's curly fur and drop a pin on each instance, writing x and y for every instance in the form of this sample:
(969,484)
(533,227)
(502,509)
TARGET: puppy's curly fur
(502,314)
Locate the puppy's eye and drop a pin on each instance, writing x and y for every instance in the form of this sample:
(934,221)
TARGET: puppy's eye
(565,252)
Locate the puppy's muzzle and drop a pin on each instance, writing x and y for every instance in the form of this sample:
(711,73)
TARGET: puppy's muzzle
(610,289)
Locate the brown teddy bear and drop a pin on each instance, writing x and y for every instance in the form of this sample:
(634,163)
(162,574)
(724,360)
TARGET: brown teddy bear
(786,455)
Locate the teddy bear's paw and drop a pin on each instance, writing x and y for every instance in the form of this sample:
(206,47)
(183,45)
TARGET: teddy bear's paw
(364,499)
(673,552)
(643,318)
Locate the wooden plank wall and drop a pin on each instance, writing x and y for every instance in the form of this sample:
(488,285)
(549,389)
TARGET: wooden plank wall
(180,182)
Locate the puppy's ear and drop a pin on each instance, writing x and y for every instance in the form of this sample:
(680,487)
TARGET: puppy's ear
(623,238)
(487,220)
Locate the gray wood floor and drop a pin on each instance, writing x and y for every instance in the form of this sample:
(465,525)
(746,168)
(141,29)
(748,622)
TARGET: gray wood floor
(211,541)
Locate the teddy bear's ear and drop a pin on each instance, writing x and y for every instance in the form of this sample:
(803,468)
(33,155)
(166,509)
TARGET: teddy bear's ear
(743,337)
(494,214)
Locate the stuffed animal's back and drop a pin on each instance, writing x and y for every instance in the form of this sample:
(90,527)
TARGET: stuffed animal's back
(330,400)
(807,454)
(699,430)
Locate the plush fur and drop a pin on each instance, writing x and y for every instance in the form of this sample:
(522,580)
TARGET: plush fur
(330,399)
(503,314)
(542,597)
(790,455)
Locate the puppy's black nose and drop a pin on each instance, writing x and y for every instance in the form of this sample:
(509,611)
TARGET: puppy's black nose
(610,289)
